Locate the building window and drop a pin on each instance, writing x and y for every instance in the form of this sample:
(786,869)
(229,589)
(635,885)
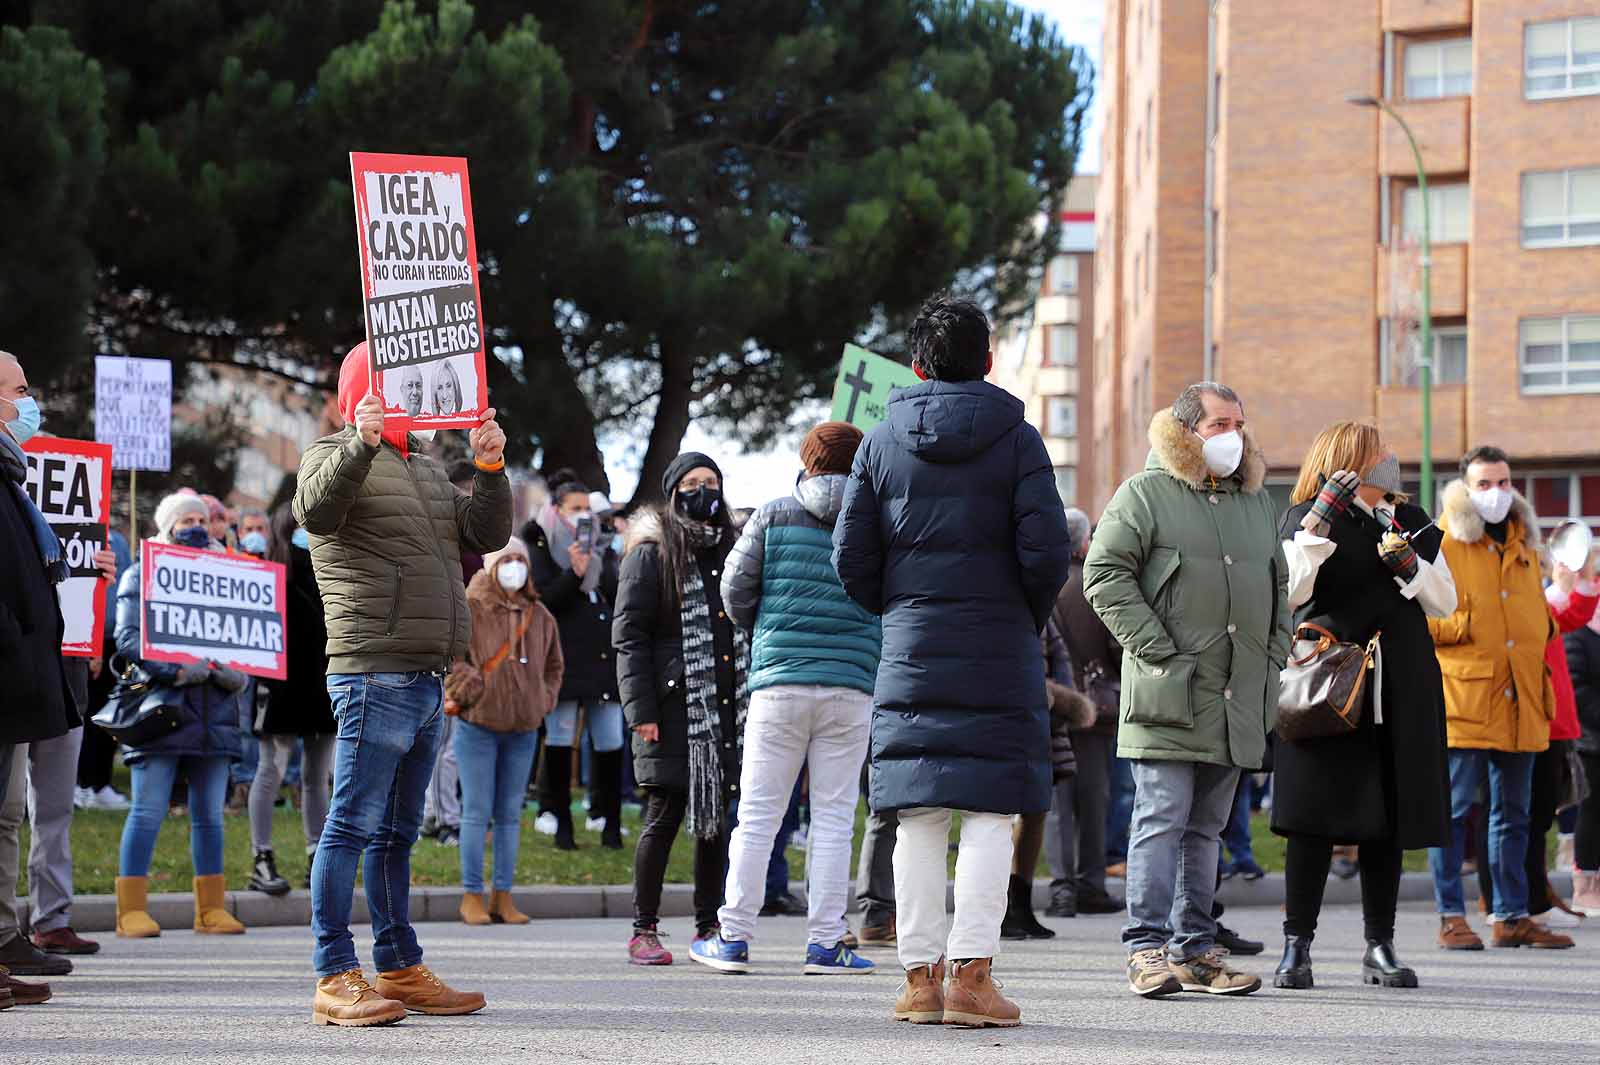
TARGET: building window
(1449,359)
(1438,68)
(1560,208)
(1561,58)
(1061,345)
(1449,213)
(1559,496)
(1061,416)
(1067,484)
(1063,275)
(1560,355)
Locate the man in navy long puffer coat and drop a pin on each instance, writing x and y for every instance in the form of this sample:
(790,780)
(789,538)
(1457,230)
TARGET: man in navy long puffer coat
(952,530)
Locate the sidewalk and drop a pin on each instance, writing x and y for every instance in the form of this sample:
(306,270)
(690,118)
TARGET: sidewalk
(98,913)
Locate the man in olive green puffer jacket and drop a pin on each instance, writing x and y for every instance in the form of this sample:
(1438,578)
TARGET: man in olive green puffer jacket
(386,529)
(1186,571)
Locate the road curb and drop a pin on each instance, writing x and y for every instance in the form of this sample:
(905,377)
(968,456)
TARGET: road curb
(98,913)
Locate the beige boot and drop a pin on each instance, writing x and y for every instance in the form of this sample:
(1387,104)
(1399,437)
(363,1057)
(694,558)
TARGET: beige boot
(211,916)
(921,998)
(503,910)
(472,908)
(133,909)
(1586,893)
(974,999)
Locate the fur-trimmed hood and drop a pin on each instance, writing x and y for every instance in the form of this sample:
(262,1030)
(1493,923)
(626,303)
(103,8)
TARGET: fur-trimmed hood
(1178,452)
(1461,520)
(644,527)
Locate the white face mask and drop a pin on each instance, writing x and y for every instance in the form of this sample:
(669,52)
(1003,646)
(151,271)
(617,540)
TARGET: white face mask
(1492,504)
(425,435)
(1223,453)
(512,574)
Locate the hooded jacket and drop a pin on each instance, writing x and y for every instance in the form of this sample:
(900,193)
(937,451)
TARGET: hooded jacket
(1498,692)
(779,584)
(1187,572)
(523,688)
(386,534)
(952,530)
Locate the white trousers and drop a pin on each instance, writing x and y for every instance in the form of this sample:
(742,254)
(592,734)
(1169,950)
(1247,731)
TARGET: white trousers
(983,874)
(790,727)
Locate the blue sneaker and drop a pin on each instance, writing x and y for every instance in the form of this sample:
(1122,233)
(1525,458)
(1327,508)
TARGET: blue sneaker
(837,960)
(723,955)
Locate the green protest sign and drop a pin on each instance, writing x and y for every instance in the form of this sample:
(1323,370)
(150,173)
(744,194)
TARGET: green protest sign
(864,383)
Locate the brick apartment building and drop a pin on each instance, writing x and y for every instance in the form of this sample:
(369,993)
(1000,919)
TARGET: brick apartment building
(1038,357)
(1256,228)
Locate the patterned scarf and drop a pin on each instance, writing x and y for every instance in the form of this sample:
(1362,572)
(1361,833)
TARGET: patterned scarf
(706,805)
(14,464)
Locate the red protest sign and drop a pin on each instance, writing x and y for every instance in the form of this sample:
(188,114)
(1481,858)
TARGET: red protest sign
(70,482)
(419,275)
(203,606)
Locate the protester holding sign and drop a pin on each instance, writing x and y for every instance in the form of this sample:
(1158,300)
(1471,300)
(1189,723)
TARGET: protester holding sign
(203,745)
(386,532)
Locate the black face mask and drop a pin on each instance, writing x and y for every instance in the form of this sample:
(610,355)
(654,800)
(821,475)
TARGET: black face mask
(702,504)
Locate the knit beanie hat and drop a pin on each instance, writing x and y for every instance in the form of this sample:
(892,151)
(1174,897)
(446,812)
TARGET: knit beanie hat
(830,448)
(175,506)
(680,467)
(514,546)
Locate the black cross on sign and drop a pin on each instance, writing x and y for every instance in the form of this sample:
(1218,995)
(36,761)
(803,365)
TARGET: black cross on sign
(858,385)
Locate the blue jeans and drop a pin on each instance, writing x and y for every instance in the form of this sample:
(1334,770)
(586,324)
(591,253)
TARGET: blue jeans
(1179,809)
(1119,809)
(244,770)
(602,721)
(494,776)
(1510,792)
(389,726)
(153,775)
(1236,834)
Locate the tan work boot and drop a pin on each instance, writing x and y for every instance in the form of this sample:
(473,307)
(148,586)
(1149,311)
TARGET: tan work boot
(1586,893)
(419,991)
(1526,932)
(503,910)
(1456,934)
(347,1000)
(921,998)
(133,909)
(211,916)
(1209,973)
(473,910)
(974,999)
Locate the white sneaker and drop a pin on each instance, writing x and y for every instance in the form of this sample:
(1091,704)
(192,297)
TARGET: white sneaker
(109,798)
(545,824)
(82,798)
(595,824)
(1560,919)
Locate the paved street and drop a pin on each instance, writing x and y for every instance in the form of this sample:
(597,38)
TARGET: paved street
(560,991)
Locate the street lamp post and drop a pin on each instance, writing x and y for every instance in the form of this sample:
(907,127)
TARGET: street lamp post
(1425,360)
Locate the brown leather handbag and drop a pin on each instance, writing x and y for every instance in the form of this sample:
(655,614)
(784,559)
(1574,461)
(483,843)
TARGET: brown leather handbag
(1321,692)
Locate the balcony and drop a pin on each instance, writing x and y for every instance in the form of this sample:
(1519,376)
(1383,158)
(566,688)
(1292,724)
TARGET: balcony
(1423,16)
(1400,422)
(1449,281)
(1442,129)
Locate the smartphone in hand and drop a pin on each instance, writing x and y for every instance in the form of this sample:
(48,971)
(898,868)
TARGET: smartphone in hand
(586,535)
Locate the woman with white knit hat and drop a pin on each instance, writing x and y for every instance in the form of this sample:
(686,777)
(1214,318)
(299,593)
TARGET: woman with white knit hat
(202,746)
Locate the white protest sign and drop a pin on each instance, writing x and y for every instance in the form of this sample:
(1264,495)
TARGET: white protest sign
(203,606)
(70,482)
(133,411)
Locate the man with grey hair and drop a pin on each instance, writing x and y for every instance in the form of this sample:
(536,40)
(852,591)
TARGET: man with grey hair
(1187,573)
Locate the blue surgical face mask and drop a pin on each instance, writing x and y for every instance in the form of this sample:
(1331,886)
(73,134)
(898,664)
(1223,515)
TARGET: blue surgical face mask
(301,539)
(28,418)
(253,543)
(194,536)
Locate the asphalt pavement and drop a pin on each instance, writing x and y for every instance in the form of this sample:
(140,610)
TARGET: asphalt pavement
(562,991)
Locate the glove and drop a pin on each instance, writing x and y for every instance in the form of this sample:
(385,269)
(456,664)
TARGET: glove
(229,680)
(191,674)
(1332,501)
(1396,552)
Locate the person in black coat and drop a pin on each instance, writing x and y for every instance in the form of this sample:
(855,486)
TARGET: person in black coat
(295,710)
(953,531)
(1362,562)
(682,670)
(576,573)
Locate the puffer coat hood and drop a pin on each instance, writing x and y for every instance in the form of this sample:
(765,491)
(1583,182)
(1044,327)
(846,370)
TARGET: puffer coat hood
(952,422)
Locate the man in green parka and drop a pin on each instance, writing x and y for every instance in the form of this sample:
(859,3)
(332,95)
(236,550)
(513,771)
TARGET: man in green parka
(1187,572)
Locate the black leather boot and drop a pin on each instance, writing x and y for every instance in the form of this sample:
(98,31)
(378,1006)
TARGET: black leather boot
(1021,901)
(1294,971)
(264,875)
(1012,926)
(1380,966)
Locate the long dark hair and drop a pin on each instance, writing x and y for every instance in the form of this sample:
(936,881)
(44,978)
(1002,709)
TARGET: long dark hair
(283,527)
(677,550)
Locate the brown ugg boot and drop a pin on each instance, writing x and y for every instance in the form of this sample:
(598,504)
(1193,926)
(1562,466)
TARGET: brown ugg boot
(211,916)
(974,999)
(921,998)
(472,908)
(349,1001)
(133,909)
(419,991)
(504,911)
